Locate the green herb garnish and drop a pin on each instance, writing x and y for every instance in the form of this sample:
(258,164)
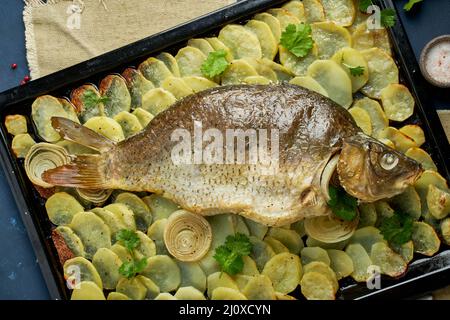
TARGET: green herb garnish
(229,255)
(128,238)
(129,269)
(397,229)
(215,64)
(297,39)
(342,204)
(387,16)
(364,4)
(355,71)
(92,100)
(411,4)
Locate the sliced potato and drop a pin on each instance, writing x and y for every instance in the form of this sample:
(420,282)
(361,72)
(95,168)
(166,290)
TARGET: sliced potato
(445,230)
(402,142)
(93,232)
(138,85)
(261,252)
(242,42)
(406,250)
(198,84)
(285,17)
(21,144)
(170,62)
(114,89)
(398,103)
(314,11)
(296,8)
(316,286)
(299,227)
(362,119)
(330,38)
(114,223)
(160,207)
(311,242)
(288,238)
(414,132)
(82,98)
(263,69)
(349,57)
(164,272)
(250,268)
(152,289)
(382,72)
(259,288)
(311,254)
(123,213)
(438,202)
(122,252)
(156,233)
(342,12)
(219,45)
(428,177)
(42,110)
(276,245)
(237,71)
(201,44)
(309,83)
(72,240)
(189,293)
(281,72)
(256,80)
(61,208)
(132,288)
(80,269)
(142,213)
(378,118)
(107,127)
(129,122)
(107,264)
(408,202)
(224,293)
(323,268)
(334,80)
(269,46)
(341,263)
(425,239)
(157,100)
(298,66)
(144,117)
(154,70)
(285,272)
(384,210)
(165,296)
(16,124)
(366,237)
(367,215)
(256,229)
(190,61)
(272,22)
(387,142)
(117,296)
(219,279)
(192,275)
(282,296)
(146,247)
(87,290)
(364,38)
(361,262)
(390,263)
(242,280)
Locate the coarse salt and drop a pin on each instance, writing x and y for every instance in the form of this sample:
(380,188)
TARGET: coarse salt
(437,62)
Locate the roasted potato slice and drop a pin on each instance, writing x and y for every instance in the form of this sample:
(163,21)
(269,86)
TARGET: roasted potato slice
(122,252)
(429,177)
(438,202)
(414,132)
(276,245)
(138,85)
(201,44)
(80,269)
(341,263)
(160,207)
(107,264)
(190,61)
(309,83)
(114,223)
(21,144)
(177,86)
(256,80)
(311,254)
(117,296)
(219,279)
(362,119)
(330,38)
(334,80)
(269,46)
(164,272)
(219,45)
(192,275)
(408,202)
(367,215)
(237,71)
(123,213)
(349,57)
(155,70)
(272,22)
(285,17)
(382,72)
(107,127)
(256,229)
(402,142)
(224,293)
(364,38)
(406,250)
(129,122)
(342,12)
(316,286)
(170,62)
(259,288)
(198,84)
(296,8)
(132,288)
(282,73)
(261,252)
(285,272)
(298,66)
(189,293)
(87,290)
(378,118)
(114,88)
(61,208)
(72,241)
(289,238)
(390,263)
(146,247)
(242,42)
(425,239)
(445,230)
(398,103)
(314,11)
(384,210)
(311,242)
(366,237)
(87,102)
(157,100)
(16,124)
(323,268)
(361,262)
(165,296)
(263,69)
(144,117)
(156,233)
(152,289)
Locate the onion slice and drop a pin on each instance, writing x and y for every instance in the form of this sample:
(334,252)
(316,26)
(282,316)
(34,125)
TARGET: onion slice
(96,196)
(187,236)
(327,173)
(42,157)
(330,229)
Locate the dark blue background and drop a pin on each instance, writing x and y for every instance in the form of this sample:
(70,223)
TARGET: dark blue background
(20,277)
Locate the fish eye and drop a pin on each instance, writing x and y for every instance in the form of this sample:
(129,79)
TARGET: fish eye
(388,161)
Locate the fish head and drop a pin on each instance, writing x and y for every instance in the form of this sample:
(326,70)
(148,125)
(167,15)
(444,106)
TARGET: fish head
(369,170)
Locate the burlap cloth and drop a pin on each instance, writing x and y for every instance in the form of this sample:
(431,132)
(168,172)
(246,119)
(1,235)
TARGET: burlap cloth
(58,35)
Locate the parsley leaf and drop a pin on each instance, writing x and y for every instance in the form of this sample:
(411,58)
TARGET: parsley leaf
(364,4)
(342,204)
(130,268)
(215,64)
(398,228)
(355,71)
(388,18)
(128,238)
(297,39)
(229,255)
(91,99)
(411,4)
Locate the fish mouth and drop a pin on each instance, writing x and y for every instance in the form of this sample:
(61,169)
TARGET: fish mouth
(327,175)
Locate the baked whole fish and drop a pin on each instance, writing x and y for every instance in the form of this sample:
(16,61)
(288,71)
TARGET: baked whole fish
(304,130)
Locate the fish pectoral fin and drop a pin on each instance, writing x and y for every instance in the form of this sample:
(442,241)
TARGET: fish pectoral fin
(72,131)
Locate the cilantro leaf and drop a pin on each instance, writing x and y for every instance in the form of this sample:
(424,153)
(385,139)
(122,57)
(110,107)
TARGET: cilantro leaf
(411,4)
(355,71)
(397,229)
(91,99)
(128,238)
(130,268)
(229,255)
(364,4)
(388,17)
(215,64)
(297,39)
(342,204)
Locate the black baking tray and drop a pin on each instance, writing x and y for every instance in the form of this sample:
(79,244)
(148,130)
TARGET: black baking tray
(424,274)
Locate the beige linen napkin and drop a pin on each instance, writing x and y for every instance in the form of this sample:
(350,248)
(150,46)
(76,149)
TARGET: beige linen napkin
(58,35)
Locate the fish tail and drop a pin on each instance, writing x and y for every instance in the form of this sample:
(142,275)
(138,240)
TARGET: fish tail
(85,171)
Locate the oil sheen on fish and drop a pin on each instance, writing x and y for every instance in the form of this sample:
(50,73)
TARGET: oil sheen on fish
(312,129)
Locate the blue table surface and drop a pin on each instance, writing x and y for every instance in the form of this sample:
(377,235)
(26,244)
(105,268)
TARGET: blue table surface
(20,276)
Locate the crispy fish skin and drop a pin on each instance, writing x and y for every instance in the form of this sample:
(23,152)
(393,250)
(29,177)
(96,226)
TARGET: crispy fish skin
(312,129)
